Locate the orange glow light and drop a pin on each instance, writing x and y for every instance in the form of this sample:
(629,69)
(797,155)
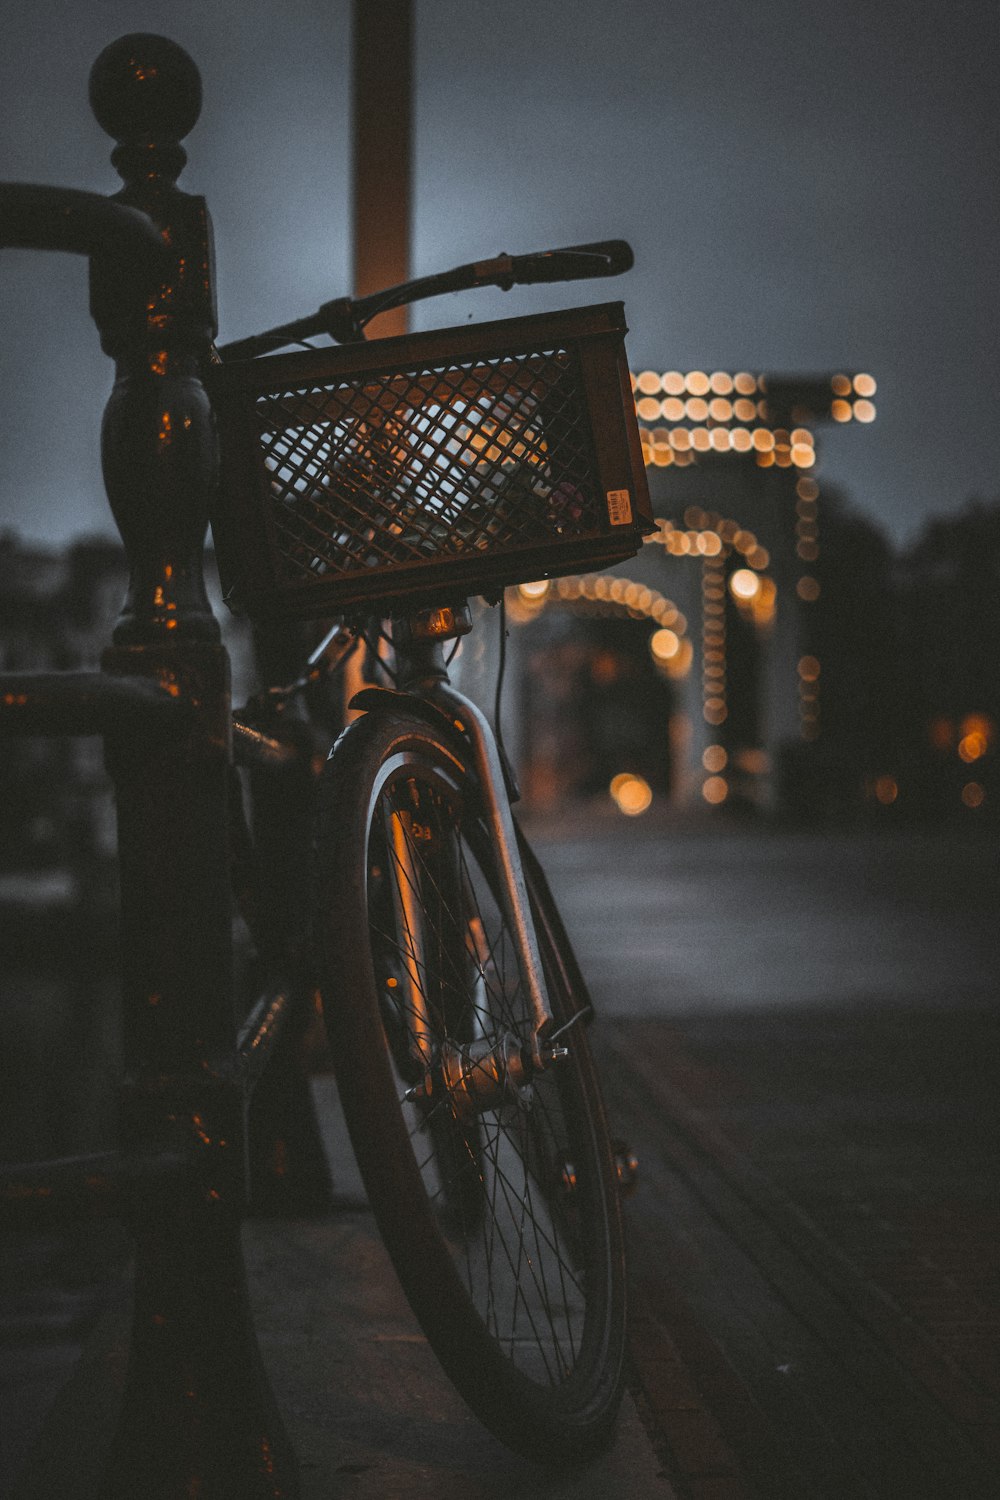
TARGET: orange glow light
(536,590)
(744,584)
(664,644)
(972,746)
(632,794)
(979,724)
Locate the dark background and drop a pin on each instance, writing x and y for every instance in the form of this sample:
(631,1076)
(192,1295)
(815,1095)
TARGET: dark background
(807,186)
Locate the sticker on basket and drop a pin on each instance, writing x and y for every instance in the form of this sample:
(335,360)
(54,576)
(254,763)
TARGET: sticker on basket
(619,507)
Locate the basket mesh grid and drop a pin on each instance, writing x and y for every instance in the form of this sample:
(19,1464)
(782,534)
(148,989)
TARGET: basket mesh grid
(371,472)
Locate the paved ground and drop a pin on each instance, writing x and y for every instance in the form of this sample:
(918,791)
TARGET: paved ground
(369,1413)
(801,1039)
(799,1034)
(816,1237)
(710,917)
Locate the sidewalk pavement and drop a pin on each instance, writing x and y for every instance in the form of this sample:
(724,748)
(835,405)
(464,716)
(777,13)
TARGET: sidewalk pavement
(369,1411)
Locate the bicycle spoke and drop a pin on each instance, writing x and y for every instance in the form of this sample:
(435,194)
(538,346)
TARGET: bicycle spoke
(520,1213)
(518,1289)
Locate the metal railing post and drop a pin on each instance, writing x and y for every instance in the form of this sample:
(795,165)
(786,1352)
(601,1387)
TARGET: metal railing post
(198,1416)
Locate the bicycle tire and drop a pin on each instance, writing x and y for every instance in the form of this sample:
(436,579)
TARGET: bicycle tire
(532,1334)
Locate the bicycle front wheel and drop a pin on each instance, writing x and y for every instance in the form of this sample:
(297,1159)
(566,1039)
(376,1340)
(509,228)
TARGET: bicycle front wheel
(493,1185)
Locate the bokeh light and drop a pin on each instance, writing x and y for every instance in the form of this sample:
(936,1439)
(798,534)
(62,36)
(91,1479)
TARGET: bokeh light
(630,793)
(536,590)
(744,584)
(664,644)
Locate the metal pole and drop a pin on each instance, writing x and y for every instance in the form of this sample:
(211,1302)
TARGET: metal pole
(382,50)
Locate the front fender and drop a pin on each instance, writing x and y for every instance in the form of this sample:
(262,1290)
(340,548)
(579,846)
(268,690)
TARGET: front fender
(378,700)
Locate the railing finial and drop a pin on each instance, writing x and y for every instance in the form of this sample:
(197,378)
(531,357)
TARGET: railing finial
(145,91)
(158,444)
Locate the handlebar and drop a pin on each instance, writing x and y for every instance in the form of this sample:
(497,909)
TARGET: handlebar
(344,318)
(34,217)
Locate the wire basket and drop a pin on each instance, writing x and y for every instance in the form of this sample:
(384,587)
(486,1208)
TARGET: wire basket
(427,468)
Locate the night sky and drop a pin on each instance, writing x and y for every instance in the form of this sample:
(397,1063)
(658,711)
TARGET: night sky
(807,186)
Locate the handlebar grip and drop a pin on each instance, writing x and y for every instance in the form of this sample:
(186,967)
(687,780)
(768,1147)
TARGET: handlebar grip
(573,262)
(37,217)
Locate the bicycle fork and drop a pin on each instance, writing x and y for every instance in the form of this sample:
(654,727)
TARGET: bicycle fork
(478,1074)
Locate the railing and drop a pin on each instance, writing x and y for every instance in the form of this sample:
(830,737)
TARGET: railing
(197,1415)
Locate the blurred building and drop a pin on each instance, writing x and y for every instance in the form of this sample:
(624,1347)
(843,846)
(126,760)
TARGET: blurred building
(947,587)
(765,650)
(720,624)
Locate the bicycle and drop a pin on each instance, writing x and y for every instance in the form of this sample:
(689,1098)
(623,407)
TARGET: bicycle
(463,1066)
(455,1008)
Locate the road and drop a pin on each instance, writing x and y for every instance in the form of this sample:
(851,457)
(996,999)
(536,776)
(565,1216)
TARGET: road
(680,919)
